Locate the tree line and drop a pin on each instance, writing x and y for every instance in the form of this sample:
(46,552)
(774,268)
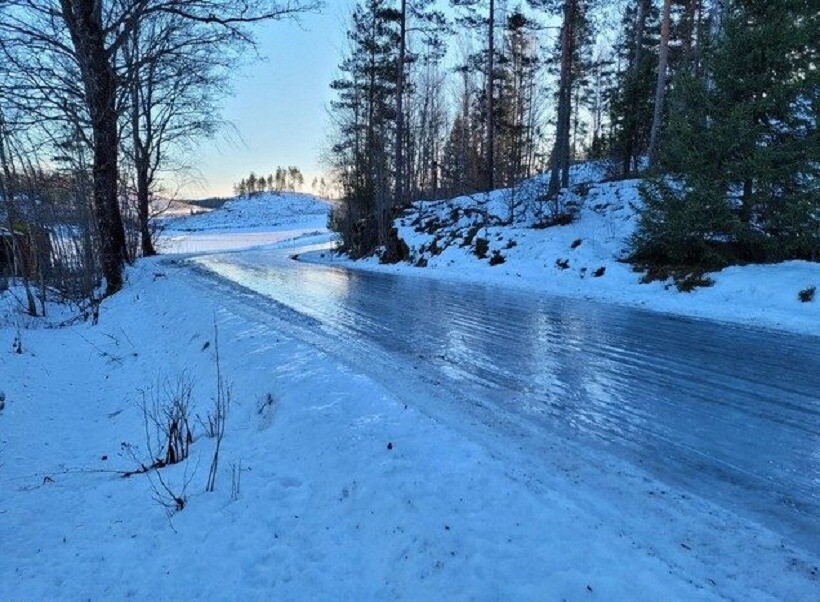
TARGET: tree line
(713,102)
(97,99)
(284,179)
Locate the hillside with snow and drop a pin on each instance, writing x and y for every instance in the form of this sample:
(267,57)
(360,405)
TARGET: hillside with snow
(258,219)
(504,238)
(261,210)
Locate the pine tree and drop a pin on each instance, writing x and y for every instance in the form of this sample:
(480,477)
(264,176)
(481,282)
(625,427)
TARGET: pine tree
(516,119)
(633,96)
(365,116)
(573,50)
(743,159)
(481,16)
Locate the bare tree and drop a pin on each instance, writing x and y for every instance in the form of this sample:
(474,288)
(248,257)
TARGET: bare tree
(422,25)
(428,113)
(91,35)
(84,22)
(400,117)
(491,96)
(174,70)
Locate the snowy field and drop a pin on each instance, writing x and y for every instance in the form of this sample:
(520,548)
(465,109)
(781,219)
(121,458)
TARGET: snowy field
(245,222)
(259,211)
(585,258)
(330,486)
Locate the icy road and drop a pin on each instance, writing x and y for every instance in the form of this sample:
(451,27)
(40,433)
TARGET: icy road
(726,413)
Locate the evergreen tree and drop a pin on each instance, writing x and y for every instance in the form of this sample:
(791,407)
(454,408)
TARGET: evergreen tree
(365,128)
(743,157)
(573,51)
(632,98)
(516,119)
(462,166)
(596,98)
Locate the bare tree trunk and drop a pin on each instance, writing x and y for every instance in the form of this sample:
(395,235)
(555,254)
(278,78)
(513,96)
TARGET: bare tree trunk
(400,199)
(83,18)
(142,158)
(491,99)
(372,206)
(559,175)
(660,90)
(576,123)
(143,198)
(465,138)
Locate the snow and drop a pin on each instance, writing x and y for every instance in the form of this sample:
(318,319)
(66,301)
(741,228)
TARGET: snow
(347,492)
(258,211)
(755,295)
(351,487)
(243,222)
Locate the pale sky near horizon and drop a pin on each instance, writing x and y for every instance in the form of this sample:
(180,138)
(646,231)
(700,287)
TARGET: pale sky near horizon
(278,109)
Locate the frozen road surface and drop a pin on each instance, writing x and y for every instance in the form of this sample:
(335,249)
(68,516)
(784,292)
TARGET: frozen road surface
(727,413)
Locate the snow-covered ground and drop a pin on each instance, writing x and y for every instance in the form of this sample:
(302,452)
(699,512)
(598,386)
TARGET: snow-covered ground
(243,222)
(345,489)
(264,210)
(585,258)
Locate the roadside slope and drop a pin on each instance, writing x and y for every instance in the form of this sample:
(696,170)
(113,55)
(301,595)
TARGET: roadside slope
(501,239)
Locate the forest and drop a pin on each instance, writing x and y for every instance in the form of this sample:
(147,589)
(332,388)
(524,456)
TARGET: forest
(284,179)
(713,104)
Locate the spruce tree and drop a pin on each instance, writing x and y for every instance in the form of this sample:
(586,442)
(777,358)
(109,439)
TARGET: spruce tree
(738,172)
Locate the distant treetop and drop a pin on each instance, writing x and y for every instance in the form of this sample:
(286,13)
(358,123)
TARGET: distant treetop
(283,179)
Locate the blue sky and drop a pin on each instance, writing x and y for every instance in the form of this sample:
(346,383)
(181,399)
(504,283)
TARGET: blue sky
(278,110)
(278,107)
